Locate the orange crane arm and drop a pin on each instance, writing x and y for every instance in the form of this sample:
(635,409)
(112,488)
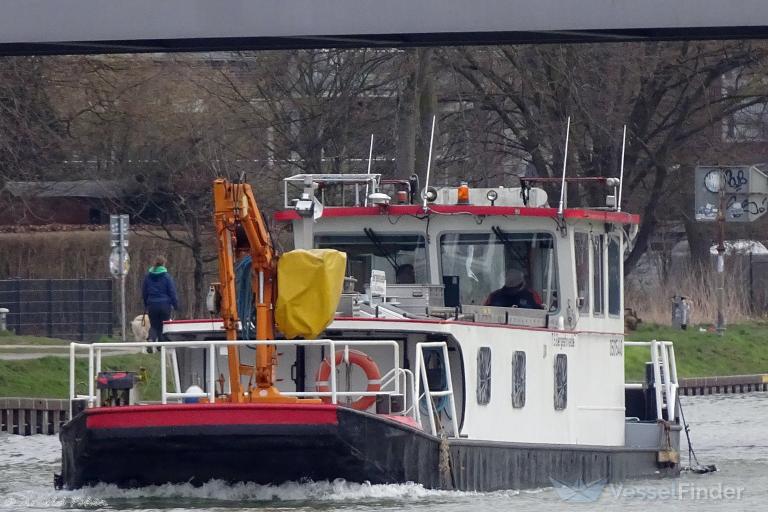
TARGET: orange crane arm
(235,206)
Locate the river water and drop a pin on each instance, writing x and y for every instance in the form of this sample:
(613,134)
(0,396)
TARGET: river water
(727,430)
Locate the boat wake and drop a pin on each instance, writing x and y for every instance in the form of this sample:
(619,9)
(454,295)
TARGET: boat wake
(220,493)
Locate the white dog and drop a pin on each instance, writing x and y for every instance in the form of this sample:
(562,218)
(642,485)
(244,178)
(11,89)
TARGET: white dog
(140,328)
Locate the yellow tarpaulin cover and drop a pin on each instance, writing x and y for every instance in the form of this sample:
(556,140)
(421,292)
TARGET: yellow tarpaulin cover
(309,284)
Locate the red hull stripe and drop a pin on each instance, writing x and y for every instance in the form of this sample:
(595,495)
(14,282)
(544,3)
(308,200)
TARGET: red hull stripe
(518,211)
(182,415)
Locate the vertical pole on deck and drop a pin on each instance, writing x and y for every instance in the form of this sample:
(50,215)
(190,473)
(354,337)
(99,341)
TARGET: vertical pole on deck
(621,171)
(370,161)
(429,161)
(565,165)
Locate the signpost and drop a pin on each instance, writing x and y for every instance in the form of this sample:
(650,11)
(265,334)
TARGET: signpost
(736,193)
(119,261)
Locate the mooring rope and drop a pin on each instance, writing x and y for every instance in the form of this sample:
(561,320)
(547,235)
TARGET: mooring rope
(698,468)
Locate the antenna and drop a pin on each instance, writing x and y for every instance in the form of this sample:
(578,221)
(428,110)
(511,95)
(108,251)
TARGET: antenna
(429,162)
(370,160)
(621,172)
(565,162)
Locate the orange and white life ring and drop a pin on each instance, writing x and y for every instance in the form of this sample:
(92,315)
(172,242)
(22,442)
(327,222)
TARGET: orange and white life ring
(357,358)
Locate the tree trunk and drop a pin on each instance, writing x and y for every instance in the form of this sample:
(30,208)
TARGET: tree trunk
(699,237)
(427,109)
(407,120)
(649,221)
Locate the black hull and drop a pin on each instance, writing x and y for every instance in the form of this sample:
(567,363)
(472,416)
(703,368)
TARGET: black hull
(326,444)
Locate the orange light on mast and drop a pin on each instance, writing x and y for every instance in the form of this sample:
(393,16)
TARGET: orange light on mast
(463,193)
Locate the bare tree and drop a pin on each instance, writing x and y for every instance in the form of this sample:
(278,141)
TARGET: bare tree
(31,134)
(666,94)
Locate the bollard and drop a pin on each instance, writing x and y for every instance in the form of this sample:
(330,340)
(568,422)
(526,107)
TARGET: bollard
(3,319)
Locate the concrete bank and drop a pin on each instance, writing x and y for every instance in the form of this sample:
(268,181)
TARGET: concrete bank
(724,385)
(28,416)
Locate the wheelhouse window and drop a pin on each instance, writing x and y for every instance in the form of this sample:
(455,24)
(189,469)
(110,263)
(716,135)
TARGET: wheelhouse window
(597,274)
(581,250)
(484,375)
(403,258)
(561,382)
(614,276)
(507,269)
(518,379)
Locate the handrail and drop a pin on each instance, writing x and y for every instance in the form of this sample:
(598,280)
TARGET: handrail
(396,377)
(665,383)
(421,374)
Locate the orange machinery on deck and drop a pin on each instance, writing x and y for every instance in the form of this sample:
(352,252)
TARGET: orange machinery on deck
(236,213)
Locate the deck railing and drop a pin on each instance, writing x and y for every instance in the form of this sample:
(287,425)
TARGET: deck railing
(394,382)
(664,375)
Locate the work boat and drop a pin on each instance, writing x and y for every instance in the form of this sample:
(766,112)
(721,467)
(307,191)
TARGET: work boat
(477,344)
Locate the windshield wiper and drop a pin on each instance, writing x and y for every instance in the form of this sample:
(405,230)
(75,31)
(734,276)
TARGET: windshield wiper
(508,245)
(373,237)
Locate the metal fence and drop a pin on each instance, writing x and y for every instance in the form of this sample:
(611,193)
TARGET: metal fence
(60,308)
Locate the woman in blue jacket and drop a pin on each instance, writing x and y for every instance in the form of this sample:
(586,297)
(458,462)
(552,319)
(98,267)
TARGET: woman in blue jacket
(159,292)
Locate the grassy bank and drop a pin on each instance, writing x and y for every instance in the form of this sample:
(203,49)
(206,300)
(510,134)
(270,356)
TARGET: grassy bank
(8,338)
(743,350)
(49,376)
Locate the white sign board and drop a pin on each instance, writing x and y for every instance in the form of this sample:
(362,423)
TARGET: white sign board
(744,189)
(378,283)
(118,230)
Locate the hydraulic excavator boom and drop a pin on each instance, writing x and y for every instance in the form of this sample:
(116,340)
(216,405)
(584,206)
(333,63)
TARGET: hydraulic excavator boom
(237,216)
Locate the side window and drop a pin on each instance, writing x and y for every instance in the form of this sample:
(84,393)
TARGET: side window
(614,276)
(561,382)
(581,249)
(597,273)
(518,379)
(484,375)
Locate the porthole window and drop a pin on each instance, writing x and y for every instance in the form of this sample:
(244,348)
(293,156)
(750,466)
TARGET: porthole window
(561,382)
(518,379)
(484,375)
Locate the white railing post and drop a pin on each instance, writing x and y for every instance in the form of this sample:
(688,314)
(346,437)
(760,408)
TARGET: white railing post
(657,384)
(417,374)
(427,392)
(212,373)
(448,375)
(163,387)
(332,358)
(175,370)
(670,398)
(98,368)
(91,377)
(414,396)
(71,377)
(396,366)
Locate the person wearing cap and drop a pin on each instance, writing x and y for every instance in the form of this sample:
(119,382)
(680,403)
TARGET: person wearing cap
(514,293)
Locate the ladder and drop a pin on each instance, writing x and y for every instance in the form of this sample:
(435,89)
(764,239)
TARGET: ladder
(664,375)
(422,386)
